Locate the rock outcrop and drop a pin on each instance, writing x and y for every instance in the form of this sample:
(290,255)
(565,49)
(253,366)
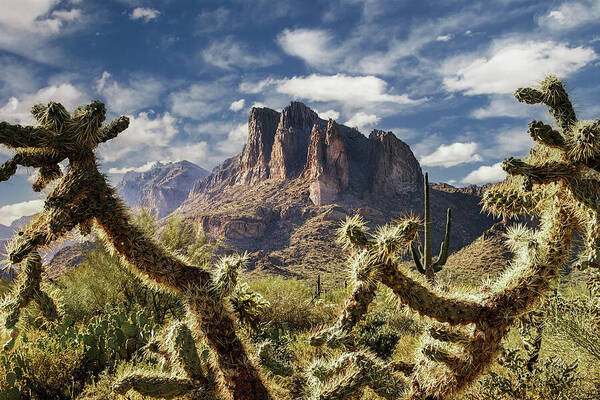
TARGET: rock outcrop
(254,162)
(339,161)
(161,189)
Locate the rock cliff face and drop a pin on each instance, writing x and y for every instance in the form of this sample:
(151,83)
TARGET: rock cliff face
(283,197)
(161,189)
(338,160)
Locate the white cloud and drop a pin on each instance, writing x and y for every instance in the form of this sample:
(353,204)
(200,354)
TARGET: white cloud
(314,46)
(147,14)
(140,92)
(11,212)
(143,168)
(571,15)
(512,141)
(362,120)
(235,141)
(200,100)
(26,26)
(453,154)
(505,106)
(229,54)
(511,64)
(146,131)
(329,114)
(351,90)
(237,105)
(70,15)
(18,110)
(485,174)
(256,87)
(443,38)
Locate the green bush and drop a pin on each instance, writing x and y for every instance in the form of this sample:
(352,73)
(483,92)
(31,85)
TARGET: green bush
(376,334)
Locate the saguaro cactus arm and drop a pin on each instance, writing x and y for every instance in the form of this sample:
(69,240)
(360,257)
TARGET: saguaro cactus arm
(445,246)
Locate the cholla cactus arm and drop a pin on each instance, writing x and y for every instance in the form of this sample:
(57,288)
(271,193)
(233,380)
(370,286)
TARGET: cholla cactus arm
(113,129)
(426,301)
(544,134)
(17,136)
(348,376)
(551,93)
(355,308)
(182,348)
(84,195)
(28,289)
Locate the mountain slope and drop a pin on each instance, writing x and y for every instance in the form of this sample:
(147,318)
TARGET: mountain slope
(161,189)
(284,196)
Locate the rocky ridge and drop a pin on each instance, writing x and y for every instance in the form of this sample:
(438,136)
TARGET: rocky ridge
(298,176)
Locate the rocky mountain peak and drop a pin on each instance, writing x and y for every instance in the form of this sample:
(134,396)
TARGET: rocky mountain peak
(339,160)
(162,188)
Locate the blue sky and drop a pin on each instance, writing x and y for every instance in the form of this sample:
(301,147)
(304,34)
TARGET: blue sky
(437,73)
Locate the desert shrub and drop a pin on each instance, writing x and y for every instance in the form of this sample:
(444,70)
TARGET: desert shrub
(551,378)
(575,320)
(291,305)
(48,367)
(102,279)
(376,334)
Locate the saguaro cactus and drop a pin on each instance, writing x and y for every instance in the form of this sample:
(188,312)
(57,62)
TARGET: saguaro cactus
(83,197)
(554,184)
(423,258)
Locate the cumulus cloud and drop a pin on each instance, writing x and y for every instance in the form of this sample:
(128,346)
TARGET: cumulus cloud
(11,212)
(237,105)
(314,46)
(235,141)
(146,14)
(140,92)
(485,174)
(505,106)
(362,120)
(350,90)
(18,110)
(146,130)
(200,100)
(511,64)
(229,54)
(329,114)
(451,155)
(443,38)
(142,168)
(571,15)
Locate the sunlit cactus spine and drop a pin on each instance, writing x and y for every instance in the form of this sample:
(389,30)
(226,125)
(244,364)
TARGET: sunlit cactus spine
(423,256)
(28,290)
(181,348)
(82,198)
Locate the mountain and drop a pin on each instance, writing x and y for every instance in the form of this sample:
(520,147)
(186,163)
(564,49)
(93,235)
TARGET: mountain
(161,189)
(7,232)
(298,176)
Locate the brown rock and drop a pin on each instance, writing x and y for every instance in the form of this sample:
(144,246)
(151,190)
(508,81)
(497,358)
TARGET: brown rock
(394,166)
(254,163)
(291,141)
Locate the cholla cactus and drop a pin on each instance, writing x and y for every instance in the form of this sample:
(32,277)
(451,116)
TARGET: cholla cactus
(422,257)
(181,348)
(83,197)
(27,290)
(556,184)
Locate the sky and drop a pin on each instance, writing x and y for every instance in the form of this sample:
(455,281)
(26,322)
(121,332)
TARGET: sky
(439,74)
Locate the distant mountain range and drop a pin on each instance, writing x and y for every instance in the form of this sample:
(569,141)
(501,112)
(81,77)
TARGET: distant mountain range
(284,195)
